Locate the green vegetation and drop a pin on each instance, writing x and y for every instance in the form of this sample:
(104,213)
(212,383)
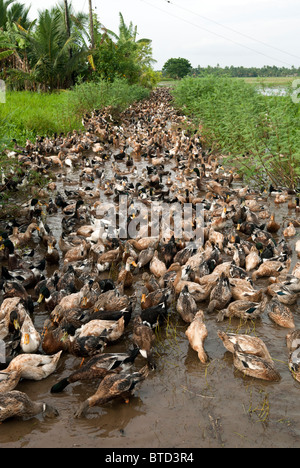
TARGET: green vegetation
(54,50)
(260,135)
(27,114)
(247,72)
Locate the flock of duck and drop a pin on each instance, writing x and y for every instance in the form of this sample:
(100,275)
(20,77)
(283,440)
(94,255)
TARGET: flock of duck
(105,289)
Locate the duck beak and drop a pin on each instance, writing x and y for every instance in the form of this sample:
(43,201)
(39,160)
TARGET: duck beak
(2,247)
(16,325)
(84,301)
(40,299)
(143,298)
(26,339)
(134,264)
(64,337)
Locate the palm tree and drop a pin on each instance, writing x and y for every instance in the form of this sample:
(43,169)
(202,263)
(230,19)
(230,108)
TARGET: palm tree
(11,12)
(48,51)
(47,54)
(134,55)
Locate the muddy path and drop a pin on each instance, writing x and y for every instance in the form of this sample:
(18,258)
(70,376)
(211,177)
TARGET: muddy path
(182,403)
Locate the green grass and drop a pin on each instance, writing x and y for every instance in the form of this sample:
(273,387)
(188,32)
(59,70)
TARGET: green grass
(27,114)
(260,135)
(270,81)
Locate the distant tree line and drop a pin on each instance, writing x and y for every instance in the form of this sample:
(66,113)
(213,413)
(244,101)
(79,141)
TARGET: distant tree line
(177,68)
(265,71)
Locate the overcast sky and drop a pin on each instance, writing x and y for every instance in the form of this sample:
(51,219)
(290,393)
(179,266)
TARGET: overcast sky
(224,32)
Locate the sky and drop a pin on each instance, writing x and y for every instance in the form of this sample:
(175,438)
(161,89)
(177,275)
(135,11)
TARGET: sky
(225,32)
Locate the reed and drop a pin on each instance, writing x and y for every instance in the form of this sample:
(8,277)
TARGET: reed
(258,134)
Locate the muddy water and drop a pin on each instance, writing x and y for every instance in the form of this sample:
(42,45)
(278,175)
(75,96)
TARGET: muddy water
(183,403)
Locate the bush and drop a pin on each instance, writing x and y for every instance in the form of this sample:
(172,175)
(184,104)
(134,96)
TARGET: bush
(86,97)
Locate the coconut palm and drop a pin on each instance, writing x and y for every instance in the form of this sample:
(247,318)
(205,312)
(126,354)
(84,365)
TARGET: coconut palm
(11,12)
(48,49)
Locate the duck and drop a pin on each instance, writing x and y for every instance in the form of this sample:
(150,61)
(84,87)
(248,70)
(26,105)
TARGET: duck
(78,253)
(144,338)
(52,256)
(20,239)
(196,334)
(58,340)
(125,276)
(51,298)
(242,289)
(186,305)
(105,260)
(154,298)
(34,366)
(144,243)
(157,267)
(296,270)
(70,302)
(14,289)
(156,315)
(283,293)
(113,386)
(30,338)
(297,248)
(293,340)
(145,257)
(272,225)
(245,310)
(13,260)
(112,315)
(271,268)
(15,404)
(199,292)
(247,344)
(253,259)
(67,243)
(294,361)
(9,381)
(97,368)
(113,300)
(290,231)
(280,314)
(111,330)
(12,315)
(221,295)
(254,366)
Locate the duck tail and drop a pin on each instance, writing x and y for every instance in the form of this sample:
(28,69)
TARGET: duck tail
(60,386)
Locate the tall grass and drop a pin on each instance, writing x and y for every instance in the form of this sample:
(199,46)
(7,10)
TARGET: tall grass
(28,114)
(259,134)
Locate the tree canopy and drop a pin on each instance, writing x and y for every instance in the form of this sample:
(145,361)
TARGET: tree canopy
(50,53)
(177,68)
